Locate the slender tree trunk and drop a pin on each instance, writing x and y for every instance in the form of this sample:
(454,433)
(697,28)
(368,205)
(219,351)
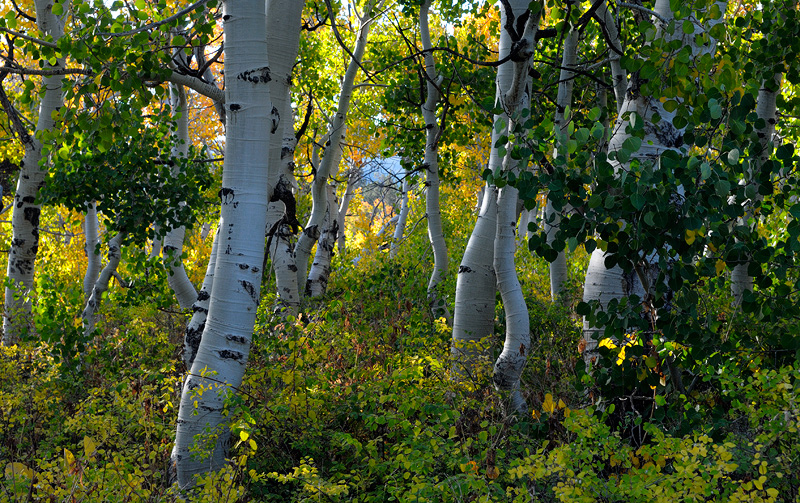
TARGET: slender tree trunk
(552,218)
(349,191)
(441,261)
(25,217)
(220,361)
(619,79)
(177,278)
(766,105)
(195,327)
(101,285)
(511,361)
(402,218)
(476,283)
(91,231)
(333,152)
(317,282)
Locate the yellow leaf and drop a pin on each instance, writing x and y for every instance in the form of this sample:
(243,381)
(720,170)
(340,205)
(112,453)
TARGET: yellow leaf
(759,483)
(492,472)
(72,465)
(244,436)
(772,492)
(252,444)
(17,470)
(690,236)
(548,405)
(561,404)
(89,447)
(720,266)
(535,414)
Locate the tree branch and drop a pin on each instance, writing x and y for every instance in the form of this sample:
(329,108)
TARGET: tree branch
(28,37)
(643,9)
(156,24)
(211,91)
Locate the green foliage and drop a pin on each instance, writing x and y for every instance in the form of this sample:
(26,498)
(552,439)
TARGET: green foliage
(121,158)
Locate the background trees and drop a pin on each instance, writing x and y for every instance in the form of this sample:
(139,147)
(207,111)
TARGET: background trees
(682,188)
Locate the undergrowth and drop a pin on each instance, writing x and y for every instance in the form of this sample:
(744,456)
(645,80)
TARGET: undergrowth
(355,401)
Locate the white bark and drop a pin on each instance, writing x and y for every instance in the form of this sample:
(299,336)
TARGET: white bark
(766,107)
(220,362)
(601,284)
(281,252)
(317,282)
(25,217)
(511,361)
(101,285)
(196,325)
(91,232)
(402,218)
(172,249)
(619,77)
(349,191)
(473,317)
(435,234)
(552,218)
(329,165)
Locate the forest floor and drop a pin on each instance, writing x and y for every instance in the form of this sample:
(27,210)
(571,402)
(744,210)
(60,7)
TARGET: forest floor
(355,401)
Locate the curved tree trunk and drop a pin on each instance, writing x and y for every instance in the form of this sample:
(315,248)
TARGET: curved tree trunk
(435,234)
(101,285)
(195,327)
(25,217)
(511,361)
(333,152)
(402,218)
(220,361)
(172,250)
(552,217)
(475,297)
(349,191)
(317,282)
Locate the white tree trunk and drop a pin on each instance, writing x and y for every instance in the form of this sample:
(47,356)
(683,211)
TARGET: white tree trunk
(402,218)
(195,327)
(101,285)
(91,232)
(441,261)
(476,283)
(349,191)
(220,362)
(172,250)
(333,152)
(602,284)
(766,106)
(317,282)
(25,217)
(618,76)
(511,361)
(552,217)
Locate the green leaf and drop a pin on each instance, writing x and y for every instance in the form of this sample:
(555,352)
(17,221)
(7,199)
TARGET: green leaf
(58,9)
(733,156)
(598,130)
(594,114)
(705,171)
(714,109)
(688,27)
(638,200)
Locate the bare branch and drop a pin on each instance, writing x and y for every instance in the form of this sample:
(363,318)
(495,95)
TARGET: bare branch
(28,37)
